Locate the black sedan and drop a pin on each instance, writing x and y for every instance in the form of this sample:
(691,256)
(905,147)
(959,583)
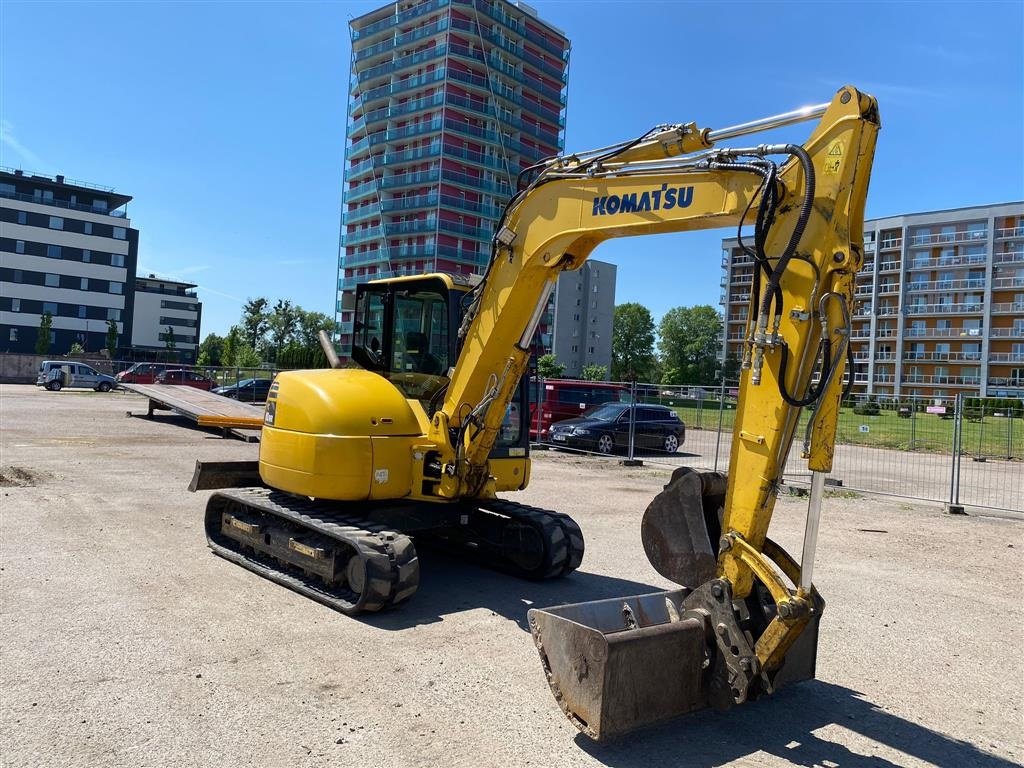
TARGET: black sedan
(605,428)
(247,390)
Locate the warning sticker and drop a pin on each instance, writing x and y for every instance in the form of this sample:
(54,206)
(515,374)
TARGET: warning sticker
(836,150)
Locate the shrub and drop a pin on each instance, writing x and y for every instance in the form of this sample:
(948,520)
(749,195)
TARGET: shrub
(867,408)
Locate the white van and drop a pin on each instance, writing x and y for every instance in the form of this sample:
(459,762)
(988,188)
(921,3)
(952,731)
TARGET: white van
(57,374)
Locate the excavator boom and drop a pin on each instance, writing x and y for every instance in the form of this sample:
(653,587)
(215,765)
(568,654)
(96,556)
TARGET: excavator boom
(746,619)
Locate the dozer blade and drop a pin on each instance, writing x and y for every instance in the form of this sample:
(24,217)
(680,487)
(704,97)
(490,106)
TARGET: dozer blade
(624,663)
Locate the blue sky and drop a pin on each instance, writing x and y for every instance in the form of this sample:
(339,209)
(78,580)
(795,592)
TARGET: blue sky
(226,121)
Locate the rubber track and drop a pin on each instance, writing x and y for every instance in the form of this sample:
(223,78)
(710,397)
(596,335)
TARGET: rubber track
(392,567)
(563,538)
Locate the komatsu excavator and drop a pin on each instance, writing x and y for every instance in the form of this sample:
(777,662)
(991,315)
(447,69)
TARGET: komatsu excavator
(422,437)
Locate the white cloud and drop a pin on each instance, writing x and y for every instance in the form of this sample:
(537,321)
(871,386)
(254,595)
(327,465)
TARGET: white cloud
(9,140)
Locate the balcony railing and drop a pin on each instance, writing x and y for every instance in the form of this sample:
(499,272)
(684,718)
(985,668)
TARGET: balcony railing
(1015,307)
(869,246)
(404,62)
(949,261)
(888,245)
(885,333)
(949,237)
(958,381)
(1005,381)
(889,288)
(402,40)
(1015,332)
(410,179)
(889,266)
(1006,357)
(408,155)
(945,309)
(1009,257)
(400,18)
(942,333)
(1008,282)
(362,236)
(945,285)
(409,203)
(942,357)
(358,215)
(117,214)
(1010,232)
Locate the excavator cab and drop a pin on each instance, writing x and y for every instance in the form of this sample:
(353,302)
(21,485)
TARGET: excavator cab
(405,330)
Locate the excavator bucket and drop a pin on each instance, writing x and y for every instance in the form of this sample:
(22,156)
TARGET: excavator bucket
(620,664)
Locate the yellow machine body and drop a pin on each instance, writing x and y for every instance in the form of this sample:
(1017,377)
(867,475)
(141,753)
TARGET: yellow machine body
(351,435)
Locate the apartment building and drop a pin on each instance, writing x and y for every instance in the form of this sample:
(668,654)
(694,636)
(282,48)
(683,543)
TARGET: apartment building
(449,100)
(577,328)
(939,303)
(167,313)
(68,249)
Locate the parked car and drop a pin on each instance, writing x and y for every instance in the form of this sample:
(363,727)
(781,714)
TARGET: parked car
(143,373)
(57,374)
(247,390)
(605,428)
(185,378)
(563,399)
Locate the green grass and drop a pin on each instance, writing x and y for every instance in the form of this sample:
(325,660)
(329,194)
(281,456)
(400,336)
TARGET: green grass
(993,436)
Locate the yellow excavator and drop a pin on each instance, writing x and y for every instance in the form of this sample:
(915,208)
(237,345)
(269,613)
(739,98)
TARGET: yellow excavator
(421,438)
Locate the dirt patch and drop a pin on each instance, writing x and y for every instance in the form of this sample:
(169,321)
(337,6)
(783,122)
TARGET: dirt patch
(20,477)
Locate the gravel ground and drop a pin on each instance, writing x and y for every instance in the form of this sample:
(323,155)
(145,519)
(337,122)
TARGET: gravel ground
(125,642)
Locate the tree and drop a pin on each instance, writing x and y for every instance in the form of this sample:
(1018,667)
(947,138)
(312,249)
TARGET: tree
(309,325)
(255,321)
(282,323)
(549,368)
(211,350)
(43,339)
(169,339)
(111,343)
(689,344)
(632,343)
(232,343)
(594,372)
(76,349)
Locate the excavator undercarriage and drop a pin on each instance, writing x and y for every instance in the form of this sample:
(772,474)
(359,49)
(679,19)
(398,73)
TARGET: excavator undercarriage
(358,557)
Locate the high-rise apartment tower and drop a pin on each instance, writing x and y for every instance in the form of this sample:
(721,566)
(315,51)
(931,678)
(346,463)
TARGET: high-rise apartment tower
(449,100)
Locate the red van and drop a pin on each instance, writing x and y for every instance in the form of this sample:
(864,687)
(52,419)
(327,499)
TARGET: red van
(566,399)
(144,373)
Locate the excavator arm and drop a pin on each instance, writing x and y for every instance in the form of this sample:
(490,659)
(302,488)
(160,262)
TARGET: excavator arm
(806,205)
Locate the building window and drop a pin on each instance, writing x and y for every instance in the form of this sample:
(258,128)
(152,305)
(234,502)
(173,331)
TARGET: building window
(17,278)
(56,222)
(115,287)
(15,305)
(49,307)
(113,314)
(87,227)
(117,260)
(6,188)
(81,311)
(53,251)
(119,233)
(85,284)
(86,255)
(13,335)
(99,204)
(19,246)
(22,217)
(52,280)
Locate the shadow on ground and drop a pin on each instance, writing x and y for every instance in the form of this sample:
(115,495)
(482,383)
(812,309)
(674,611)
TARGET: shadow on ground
(793,725)
(449,585)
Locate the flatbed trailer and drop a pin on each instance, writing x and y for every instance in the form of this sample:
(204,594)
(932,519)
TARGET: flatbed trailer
(204,408)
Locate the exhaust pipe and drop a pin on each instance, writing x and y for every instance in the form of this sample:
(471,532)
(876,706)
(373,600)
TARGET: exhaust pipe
(328,347)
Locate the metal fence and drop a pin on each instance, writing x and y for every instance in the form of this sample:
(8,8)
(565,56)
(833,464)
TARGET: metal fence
(962,451)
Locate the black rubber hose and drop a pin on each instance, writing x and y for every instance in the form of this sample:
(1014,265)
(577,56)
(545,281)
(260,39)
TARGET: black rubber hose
(825,347)
(801,222)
